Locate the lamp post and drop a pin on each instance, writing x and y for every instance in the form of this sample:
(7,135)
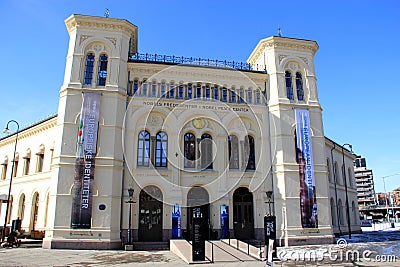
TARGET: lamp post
(130,201)
(7,131)
(345,187)
(386,200)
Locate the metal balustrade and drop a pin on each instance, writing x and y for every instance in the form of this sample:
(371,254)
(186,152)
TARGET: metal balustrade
(139,57)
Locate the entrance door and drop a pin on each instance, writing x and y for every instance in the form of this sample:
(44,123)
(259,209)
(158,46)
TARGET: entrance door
(198,197)
(243,219)
(150,214)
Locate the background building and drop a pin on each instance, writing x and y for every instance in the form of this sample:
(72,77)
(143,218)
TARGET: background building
(226,138)
(365,183)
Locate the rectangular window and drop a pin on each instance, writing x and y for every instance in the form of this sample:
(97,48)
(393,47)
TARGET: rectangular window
(224,95)
(171,90)
(163,90)
(3,171)
(207,92)
(39,163)
(258,97)
(135,86)
(216,94)
(15,169)
(249,96)
(27,162)
(144,88)
(180,91)
(198,91)
(233,96)
(154,89)
(241,95)
(190,91)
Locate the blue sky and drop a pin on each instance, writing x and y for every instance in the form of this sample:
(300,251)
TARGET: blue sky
(356,65)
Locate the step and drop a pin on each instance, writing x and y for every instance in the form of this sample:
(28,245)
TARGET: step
(159,245)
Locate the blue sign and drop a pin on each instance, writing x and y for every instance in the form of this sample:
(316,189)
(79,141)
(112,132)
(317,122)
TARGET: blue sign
(176,221)
(224,213)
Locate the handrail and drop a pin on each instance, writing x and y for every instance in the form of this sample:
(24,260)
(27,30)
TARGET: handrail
(212,251)
(140,57)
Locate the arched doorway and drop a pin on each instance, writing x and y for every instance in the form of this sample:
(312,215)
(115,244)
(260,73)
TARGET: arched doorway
(198,198)
(243,218)
(35,209)
(150,214)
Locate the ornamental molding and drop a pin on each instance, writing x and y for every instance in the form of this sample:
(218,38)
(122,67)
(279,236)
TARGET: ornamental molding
(112,40)
(29,132)
(100,23)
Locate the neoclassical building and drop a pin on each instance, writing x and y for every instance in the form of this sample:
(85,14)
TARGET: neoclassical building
(225,141)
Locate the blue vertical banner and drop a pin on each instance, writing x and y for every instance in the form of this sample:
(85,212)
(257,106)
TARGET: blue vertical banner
(304,157)
(81,214)
(176,221)
(224,214)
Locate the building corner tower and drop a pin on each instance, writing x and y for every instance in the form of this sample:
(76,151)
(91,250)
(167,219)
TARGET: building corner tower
(88,162)
(301,195)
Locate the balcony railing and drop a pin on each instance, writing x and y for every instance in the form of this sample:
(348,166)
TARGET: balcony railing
(138,57)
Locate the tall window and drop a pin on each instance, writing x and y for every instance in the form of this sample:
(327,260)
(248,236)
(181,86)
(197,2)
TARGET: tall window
(181,91)
(144,88)
(102,70)
(206,152)
(4,170)
(171,90)
(135,86)
(207,92)
(89,69)
(333,212)
(299,86)
(249,96)
(258,97)
(39,161)
(35,209)
(289,86)
(328,168)
(341,212)
(190,91)
(189,150)
(216,93)
(198,90)
(336,173)
(161,149)
(249,152)
(233,95)
(241,96)
(350,174)
(143,148)
(224,94)
(163,88)
(154,89)
(14,171)
(233,151)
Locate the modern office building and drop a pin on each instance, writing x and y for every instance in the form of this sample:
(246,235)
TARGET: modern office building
(365,183)
(194,138)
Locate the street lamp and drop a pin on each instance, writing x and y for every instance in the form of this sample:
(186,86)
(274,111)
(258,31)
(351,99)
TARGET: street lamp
(7,131)
(345,187)
(386,200)
(130,201)
(269,202)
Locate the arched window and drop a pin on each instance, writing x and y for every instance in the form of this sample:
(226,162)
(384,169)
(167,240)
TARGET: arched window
(189,150)
(21,207)
(171,90)
(208,94)
(233,151)
(102,76)
(289,86)
(144,87)
(299,86)
(250,96)
(206,152)
(336,174)
(249,153)
(198,90)
(4,166)
(341,212)
(89,69)
(27,162)
(161,149)
(354,212)
(154,89)
(224,94)
(233,95)
(350,172)
(143,149)
(216,92)
(181,91)
(40,159)
(333,212)
(163,89)
(328,168)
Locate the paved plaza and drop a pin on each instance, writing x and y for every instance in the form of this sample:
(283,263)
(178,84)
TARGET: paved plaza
(372,248)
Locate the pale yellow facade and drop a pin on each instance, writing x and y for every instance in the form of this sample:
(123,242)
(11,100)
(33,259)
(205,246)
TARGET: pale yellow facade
(266,116)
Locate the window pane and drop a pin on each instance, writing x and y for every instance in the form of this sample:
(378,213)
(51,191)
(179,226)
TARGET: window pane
(289,87)
(299,86)
(89,69)
(102,76)
(143,148)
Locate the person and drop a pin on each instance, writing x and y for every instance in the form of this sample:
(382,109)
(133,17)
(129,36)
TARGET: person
(12,240)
